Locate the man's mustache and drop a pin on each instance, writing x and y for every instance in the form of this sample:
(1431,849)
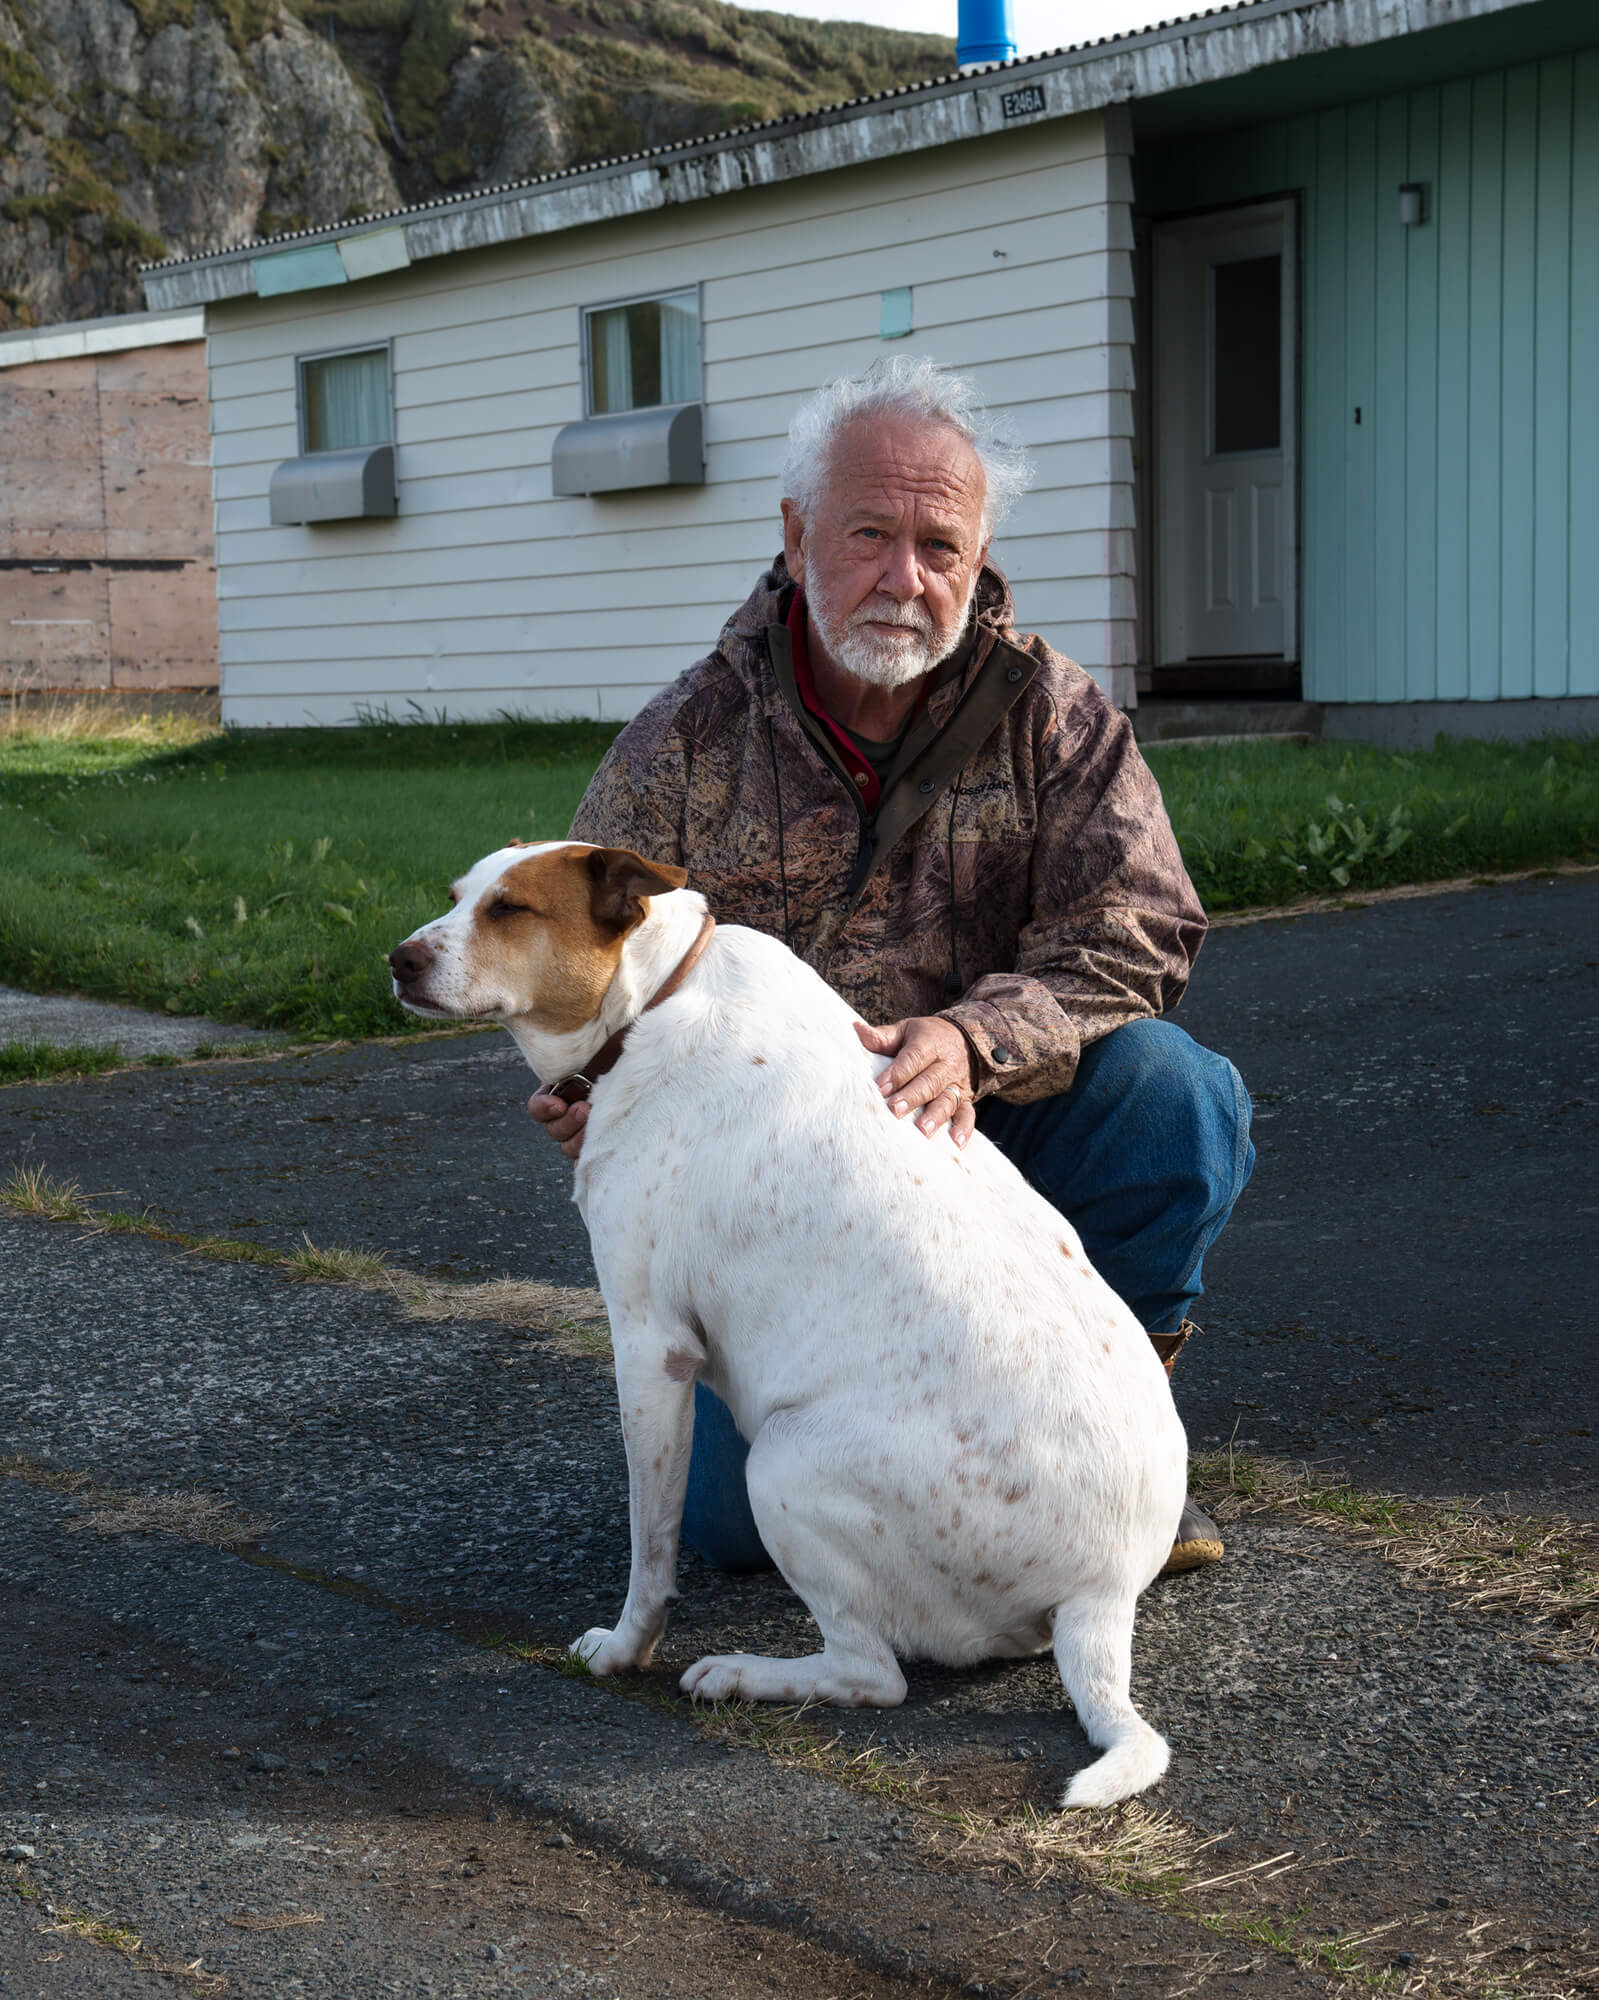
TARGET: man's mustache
(911,616)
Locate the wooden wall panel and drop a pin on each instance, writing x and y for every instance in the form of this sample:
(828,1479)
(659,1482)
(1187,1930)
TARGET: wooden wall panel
(50,492)
(55,628)
(105,465)
(163,627)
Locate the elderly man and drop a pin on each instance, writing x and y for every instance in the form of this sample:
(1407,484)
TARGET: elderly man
(953,825)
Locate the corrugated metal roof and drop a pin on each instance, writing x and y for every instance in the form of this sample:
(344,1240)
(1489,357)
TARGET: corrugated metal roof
(1138,64)
(794,121)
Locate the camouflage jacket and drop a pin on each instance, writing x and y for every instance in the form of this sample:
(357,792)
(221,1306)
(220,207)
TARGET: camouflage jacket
(1020,876)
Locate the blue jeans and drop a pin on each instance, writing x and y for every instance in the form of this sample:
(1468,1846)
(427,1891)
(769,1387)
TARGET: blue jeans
(1145,1156)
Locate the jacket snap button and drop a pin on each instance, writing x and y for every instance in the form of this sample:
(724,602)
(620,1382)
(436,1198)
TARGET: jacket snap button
(1013,674)
(1000,1055)
(926,785)
(863,777)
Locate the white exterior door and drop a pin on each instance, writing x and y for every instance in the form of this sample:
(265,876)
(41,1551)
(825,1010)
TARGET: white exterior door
(1226,378)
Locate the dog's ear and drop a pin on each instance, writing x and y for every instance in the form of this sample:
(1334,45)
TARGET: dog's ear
(619,880)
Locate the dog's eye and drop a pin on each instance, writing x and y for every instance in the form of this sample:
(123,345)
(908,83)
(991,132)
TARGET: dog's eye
(501,908)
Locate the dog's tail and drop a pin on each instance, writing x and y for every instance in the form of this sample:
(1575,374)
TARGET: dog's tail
(1094,1651)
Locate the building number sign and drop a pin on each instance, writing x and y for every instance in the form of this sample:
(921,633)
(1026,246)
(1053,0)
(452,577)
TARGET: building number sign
(1022,103)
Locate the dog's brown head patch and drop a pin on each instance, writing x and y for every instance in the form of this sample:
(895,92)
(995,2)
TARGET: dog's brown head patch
(549,930)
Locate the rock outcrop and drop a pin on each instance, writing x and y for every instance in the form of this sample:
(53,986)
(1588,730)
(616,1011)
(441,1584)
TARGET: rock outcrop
(133,129)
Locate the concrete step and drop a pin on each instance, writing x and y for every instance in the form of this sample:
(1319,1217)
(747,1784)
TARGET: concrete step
(1171,719)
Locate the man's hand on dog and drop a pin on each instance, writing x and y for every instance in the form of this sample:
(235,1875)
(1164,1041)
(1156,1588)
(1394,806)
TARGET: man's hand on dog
(931,1073)
(561,1120)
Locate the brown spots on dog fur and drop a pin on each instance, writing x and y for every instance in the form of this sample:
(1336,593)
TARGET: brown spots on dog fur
(681,1365)
(1066,1250)
(758,1061)
(1011,1494)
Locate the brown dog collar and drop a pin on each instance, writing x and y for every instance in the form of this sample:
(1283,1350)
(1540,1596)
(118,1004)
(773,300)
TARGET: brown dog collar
(577,1086)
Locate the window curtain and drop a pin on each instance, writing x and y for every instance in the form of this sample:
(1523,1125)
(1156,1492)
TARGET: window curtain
(615,384)
(347,401)
(680,349)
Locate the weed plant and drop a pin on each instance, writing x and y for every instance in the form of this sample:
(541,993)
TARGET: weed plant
(264,878)
(1264,823)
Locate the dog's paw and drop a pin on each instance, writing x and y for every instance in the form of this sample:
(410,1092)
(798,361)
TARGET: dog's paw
(601,1652)
(713,1679)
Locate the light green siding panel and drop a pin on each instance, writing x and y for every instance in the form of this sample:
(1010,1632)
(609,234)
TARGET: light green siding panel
(1584,619)
(1450,540)
(1485,384)
(1551,664)
(1325,424)
(1417,672)
(1359,677)
(1451,205)
(1300,169)
(1390,555)
(1517,438)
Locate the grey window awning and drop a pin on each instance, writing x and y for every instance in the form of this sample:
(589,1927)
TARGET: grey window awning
(352,485)
(615,454)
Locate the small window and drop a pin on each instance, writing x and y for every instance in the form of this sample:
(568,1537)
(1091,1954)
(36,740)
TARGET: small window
(345,400)
(1246,355)
(643,353)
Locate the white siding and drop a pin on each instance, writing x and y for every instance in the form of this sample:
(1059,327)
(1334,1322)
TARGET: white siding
(488,593)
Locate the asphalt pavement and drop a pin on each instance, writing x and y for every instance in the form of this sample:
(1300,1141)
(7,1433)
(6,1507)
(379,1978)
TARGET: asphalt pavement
(314,1766)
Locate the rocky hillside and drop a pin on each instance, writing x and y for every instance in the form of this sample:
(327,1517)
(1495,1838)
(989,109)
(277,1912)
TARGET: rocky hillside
(132,129)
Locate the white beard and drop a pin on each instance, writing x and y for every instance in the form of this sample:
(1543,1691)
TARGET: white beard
(875,657)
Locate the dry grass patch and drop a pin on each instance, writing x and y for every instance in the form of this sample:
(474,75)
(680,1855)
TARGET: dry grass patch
(120,1938)
(1423,1957)
(1544,1570)
(1135,1849)
(78,715)
(1131,1847)
(31,1191)
(291,1920)
(334,1266)
(572,1318)
(192,1517)
(789,1737)
(108,1510)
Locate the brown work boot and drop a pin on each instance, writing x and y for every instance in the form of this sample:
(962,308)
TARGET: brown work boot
(1198,1538)
(1198,1541)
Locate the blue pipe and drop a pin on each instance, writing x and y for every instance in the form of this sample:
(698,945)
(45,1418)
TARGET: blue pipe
(986,33)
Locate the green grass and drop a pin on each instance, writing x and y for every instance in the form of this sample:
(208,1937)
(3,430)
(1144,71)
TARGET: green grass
(264,878)
(32,1062)
(1265,823)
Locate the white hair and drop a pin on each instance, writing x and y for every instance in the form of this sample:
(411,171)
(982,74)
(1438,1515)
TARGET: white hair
(904,385)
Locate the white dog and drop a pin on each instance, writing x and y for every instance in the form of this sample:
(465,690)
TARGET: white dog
(962,1445)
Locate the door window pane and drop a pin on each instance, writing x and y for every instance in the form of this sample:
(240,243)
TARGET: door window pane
(1246,354)
(347,400)
(644,354)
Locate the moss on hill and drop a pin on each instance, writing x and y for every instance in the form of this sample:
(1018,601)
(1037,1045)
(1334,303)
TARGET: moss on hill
(265,115)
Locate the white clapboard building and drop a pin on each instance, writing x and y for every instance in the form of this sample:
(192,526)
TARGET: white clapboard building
(1282,298)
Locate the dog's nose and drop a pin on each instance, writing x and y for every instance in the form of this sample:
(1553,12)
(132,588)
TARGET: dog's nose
(410,960)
